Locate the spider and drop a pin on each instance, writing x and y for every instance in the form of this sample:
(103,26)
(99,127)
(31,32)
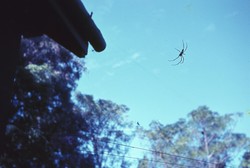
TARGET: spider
(181,54)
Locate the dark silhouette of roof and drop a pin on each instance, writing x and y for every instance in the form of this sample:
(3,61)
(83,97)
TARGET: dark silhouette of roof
(65,21)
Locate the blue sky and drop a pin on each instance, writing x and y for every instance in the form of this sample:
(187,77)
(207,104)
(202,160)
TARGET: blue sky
(141,37)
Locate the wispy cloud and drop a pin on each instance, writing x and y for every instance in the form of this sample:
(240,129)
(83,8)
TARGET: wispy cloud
(120,64)
(210,28)
(107,6)
(133,57)
(232,14)
(109,73)
(116,29)
(156,71)
(159,13)
(92,64)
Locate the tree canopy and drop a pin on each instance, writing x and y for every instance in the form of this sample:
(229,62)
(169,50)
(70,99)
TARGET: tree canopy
(245,162)
(205,139)
(54,125)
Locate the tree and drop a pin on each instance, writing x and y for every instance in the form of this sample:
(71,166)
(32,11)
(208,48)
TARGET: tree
(49,128)
(143,163)
(245,163)
(205,139)
(106,136)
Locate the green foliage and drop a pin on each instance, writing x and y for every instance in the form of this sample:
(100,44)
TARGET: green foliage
(49,129)
(205,139)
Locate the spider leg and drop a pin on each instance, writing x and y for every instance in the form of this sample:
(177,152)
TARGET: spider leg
(178,50)
(174,59)
(178,62)
(182,60)
(186,47)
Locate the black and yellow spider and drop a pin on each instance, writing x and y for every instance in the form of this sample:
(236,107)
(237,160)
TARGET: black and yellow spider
(181,53)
